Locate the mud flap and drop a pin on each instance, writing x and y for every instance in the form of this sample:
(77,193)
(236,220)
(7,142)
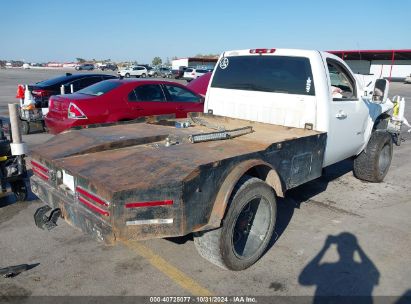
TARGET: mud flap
(44,221)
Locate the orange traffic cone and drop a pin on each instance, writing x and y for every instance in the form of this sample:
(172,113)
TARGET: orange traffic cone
(20,92)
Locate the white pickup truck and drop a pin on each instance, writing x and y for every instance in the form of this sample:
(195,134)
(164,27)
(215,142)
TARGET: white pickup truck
(274,118)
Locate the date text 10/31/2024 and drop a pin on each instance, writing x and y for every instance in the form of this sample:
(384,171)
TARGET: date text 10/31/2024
(208,299)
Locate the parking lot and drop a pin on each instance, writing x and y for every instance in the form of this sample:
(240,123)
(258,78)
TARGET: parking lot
(377,216)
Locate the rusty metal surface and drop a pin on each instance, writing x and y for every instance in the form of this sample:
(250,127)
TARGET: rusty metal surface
(131,163)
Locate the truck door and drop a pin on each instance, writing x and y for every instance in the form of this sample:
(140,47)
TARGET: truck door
(348,114)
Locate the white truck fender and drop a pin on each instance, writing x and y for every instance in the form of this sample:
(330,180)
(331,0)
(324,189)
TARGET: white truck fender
(379,109)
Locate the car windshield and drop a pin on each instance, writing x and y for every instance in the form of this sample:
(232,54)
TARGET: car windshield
(100,88)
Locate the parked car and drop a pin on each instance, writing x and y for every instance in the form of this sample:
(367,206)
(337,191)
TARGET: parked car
(179,73)
(153,72)
(120,100)
(165,72)
(192,73)
(84,66)
(408,79)
(44,89)
(108,66)
(200,84)
(32,116)
(137,71)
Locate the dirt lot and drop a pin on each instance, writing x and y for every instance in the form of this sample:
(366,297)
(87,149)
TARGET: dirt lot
(368,255)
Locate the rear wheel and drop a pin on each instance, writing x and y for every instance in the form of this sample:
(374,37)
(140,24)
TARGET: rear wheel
(25,127)
(20,190)
(246,229)
(373,163)
(143,75)
(127,75)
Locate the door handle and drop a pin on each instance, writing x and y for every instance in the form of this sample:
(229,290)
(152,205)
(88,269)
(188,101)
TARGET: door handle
(341,115)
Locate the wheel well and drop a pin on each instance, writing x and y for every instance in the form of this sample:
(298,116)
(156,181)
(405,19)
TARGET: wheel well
(269,175)
(255,168)
(381,122)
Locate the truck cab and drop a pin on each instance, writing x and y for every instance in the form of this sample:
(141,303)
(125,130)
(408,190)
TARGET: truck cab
(296,88)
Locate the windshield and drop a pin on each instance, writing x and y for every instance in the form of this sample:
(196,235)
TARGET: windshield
(100,88)
(280,74)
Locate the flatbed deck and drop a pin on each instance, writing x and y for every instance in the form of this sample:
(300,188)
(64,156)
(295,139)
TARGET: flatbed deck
(116,157)
(155,161)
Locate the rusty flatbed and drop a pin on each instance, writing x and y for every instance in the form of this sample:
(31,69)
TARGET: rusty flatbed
(123,164)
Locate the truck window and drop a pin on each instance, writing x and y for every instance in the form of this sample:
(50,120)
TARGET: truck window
(280,74)
(342,83)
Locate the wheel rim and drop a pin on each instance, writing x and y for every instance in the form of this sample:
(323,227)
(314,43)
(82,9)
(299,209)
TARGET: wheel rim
(384,160)
(251,228)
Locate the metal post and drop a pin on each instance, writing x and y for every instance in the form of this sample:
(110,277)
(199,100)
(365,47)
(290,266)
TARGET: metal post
(62,90)
(392,63)
(14,121)
(72,88)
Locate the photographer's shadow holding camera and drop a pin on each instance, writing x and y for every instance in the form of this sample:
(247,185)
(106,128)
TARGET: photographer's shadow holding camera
(346,277)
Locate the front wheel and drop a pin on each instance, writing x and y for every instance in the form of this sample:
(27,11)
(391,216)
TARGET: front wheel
(373,163)
(127,75)
(246,229)
(143,75)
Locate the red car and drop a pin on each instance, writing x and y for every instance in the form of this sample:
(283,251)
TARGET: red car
(120,100)
(200,84)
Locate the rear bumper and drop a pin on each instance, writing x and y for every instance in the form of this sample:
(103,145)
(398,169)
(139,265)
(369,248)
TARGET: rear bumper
(56,125)
(73,212)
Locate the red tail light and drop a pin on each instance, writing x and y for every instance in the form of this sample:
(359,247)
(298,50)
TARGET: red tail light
(40,170)
(262,51)
(41,93)
(149,204)
(74,112)
(91,201)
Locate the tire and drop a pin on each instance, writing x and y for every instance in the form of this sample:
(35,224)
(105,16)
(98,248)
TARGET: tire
(143,75)
(155,75)
(25,127)
(252,210)
(20,190)
(373,163)
(127,75)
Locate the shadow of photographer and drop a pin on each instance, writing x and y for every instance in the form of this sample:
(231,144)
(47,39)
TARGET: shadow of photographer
(344,278)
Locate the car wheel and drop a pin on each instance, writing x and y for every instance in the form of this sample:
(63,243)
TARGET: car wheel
(373,163)
(143,75)
(20,190)
(246,229)
(127,75)
(25,127)
(155,75)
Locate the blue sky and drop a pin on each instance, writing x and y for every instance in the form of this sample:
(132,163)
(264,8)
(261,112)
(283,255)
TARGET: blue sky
(46,30)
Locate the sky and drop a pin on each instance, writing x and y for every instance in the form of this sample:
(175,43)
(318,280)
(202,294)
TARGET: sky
(128,30)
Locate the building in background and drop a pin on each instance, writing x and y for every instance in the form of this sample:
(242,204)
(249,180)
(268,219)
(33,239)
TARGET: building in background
(391,64)
(203,62)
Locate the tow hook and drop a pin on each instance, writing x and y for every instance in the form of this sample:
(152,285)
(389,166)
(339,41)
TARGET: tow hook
(43,220)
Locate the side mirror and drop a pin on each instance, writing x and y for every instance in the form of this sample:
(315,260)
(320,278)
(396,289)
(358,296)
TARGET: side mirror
(380,93)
